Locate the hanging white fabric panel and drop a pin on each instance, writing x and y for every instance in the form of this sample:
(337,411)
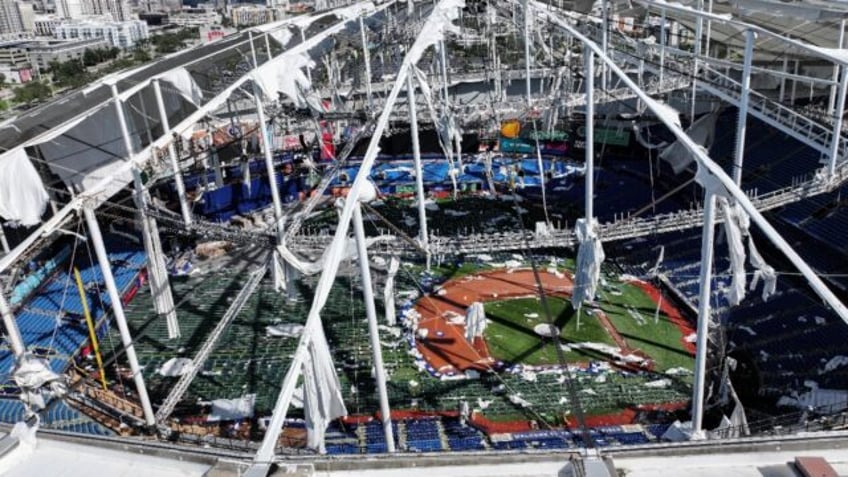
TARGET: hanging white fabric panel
(732,217)
(389,291)
(702,132)
(285,75)
(182,81)
(22,194)
(475,321)
(763,271)
(590,255)
(322,392)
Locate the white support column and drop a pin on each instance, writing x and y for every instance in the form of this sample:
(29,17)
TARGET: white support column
(268,46)
(662,45)
(371,313)
(699,31)
(739,155)
(837,123)
(213,158)
(172,155)
(703,312)
(118,310)
(527,40)
(604,41)
(366,56)
(794,83)
(444,64)
(4,244)
(269,163)
(423,236)
(709,29)
(163,301)
(785,69)
(831,102)
(13,333)
(589,69)
(266,149)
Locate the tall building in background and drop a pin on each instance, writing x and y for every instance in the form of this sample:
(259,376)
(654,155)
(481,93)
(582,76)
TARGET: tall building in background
(118,9)
(10,18)
(70,9)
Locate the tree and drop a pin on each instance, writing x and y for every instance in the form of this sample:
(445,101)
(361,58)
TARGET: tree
(90,57)
(32,91)
(141,55)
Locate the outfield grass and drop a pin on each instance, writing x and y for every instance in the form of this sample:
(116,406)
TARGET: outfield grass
(661,340)
(511,338)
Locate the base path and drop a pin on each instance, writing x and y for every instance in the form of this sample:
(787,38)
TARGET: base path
(445,347)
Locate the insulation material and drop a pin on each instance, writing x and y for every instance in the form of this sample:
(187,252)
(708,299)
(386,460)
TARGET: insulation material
(389,291)
(182,81)
(475,321)
(702,132)
(22,194)
(762,271)
(232,409)
(322,392)
(175,367)
(590,255)
(37,382)
(733,215)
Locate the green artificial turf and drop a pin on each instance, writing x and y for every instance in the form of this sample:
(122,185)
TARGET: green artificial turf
(511,338)
(661,340)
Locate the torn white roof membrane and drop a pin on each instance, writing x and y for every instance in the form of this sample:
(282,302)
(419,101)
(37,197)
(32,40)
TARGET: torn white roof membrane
(439,23)
(590,256)
(183,82)
(323,400)
(23,198)
(285,75)
(736,247)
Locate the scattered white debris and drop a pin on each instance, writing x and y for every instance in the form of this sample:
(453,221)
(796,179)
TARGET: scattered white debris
(284,330)
(589,391)
(749,330)
(175,367)
(441,292)
(659,383)
(835,362)
(518,400)
(678,371)
(693,337)
(531,315)
(820,320)
(456,213)
(483,405)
